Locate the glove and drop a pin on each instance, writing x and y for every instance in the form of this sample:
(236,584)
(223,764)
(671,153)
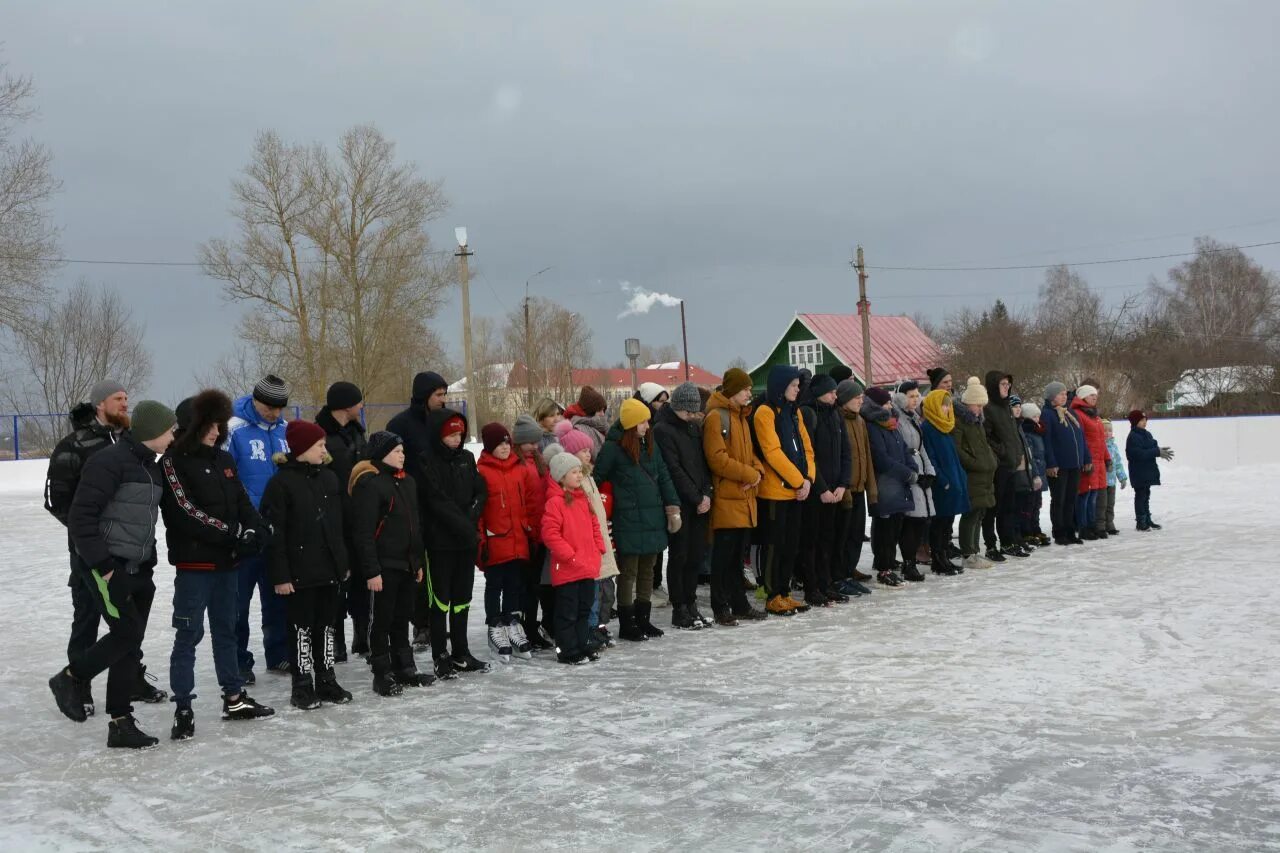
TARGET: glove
(673,520)
(913,478)
(107,566)
(1037,484)
(1166,453)
(926,481)
(250,542)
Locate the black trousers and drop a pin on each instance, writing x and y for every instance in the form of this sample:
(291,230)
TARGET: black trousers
(885,532)
(391,610)
(1003,518)
(358,604)
(818,538)
(685,552)
(573,615)
(84,614)
(504,592)
(914,531)
(727,549)
(451,576)
(1142,503)
(853,526)
(1062,501)
(779,538)
(310,613)
(940,527)
(124,603)
(532,581)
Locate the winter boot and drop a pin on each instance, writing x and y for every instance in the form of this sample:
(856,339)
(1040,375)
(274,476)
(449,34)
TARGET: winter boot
(521,645)
(1088,535)
(184,725)
(643,611)
(1101,533)
(861,577)
(244,708)
(889,579)
(1111,531)
(629,629)
(1152,524)
(698,618)
(86,696)
(780,606)
(911,572)
(68,692)
(383,682)
(406,670)
(500,642)
(940,565)
(303,695)
(421,639)
(994,555)
(726,620)
(123,733)
(681,619)
(143,691)
(329,690)
(443,667)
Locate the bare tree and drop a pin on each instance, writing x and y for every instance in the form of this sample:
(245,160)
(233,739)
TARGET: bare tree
(558,341)
(660,354)
(28,239)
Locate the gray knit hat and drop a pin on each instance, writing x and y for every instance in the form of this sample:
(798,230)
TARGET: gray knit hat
(103,390)
(151,420)
(551,451)
(526,430)
(1053,389)
(847,390)
(561,464)
(685,398)
(272,391)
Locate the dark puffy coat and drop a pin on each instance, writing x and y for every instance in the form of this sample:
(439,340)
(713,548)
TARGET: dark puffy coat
(87,437)
(895,469)
(1002,427)
(204,507)
(303,503)
(116,505)
(1095,438)
(1064,445)
(411,426)
(641,491)
(453,492)
(832,454)
(385,524)
(1034,435)
(951,488)
(345,442)
(1143,453)
(681,445)
(977,457)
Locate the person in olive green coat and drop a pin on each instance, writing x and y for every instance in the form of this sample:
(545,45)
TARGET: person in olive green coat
(645,509)
(979,462)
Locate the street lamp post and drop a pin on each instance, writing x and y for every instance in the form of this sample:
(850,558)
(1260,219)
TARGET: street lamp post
(462,254)
(632,346)
(528,358)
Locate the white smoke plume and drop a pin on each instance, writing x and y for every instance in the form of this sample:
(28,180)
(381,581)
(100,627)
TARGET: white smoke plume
(642,300)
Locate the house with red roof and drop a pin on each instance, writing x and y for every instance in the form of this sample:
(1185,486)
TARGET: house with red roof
(819,342)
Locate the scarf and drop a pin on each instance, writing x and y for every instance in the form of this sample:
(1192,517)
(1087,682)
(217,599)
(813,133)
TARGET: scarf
(943,420)
(785,424)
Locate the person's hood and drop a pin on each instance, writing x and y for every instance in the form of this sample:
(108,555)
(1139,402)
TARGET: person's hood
(875,413)
(900,407)
(435,421)
(598,422)
(963,414)
(245,411)
(83,415)
(992,384)
(425,384)
(780,376)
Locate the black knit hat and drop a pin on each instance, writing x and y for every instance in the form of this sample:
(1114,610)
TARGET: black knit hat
(272,391)
(908,386)
(342,395)
(381,443)
(821,384)
(840,373)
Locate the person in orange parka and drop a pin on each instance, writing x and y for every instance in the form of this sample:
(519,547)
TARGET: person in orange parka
(530,455)
(1094,476)
(504,542)
(576,545)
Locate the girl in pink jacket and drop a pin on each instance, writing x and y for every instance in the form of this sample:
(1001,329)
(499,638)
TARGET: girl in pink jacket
(572,537)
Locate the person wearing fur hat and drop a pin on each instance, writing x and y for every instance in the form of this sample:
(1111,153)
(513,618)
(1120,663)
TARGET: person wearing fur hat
(979,463)
(575,545)
(387,553)
(209,522)
(950,490)
(1033,501)
(679,438)
(833,468)
(345,441)
(504,545)
(601,499)
(646,511)
(307,559)
(1065,457)
(1142,452)
(1093,477)
(454,495)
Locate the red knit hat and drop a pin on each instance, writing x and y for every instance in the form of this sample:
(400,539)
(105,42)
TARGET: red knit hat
(1136,417)
(492,435)
(301,436)
(453,425)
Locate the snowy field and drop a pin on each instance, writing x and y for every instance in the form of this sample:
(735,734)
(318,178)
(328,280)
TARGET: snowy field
(1117,696)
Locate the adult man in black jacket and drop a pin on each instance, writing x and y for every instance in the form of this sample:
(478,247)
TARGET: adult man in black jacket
(1005,437)
(680,440)
(833,467)
(112,524)
(345,441)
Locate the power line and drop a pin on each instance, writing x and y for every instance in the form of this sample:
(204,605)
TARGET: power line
(131,263)
(1091,263)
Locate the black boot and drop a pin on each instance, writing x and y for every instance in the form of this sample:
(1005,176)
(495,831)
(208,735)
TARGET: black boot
(940,565)
(406,670)
(68,692)
(1152,525)
(643,610)
(627,627)
(383,683)
(340,641)
(681,619)
(329,690)
(911,572)
(303,695)
(184,725)
(533,633)
(143,691)
(125,734)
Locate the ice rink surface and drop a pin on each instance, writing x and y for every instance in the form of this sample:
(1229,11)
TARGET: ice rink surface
(1119,696)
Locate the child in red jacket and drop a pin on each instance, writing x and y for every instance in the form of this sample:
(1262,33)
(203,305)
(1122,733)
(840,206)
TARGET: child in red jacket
(504,546)
(572,536)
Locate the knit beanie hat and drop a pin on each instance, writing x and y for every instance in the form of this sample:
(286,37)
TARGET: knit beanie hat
(1053,389)
(735,380)
(492,435)
(847,390)
(1030,412)
(1085,391)
(526,430)
(821,384)
(455,424)
(342,395)
(908,386)
(840,373)
(425,384)
(974,393)
(561,464)
(551,451)
(633,412)
(271,391)
(878,395)
(575,441)
(650,391)
(936,375)
(380,444)
(104,389)
(301,436)
(1014,400)
(152,420)
(685,398)
(1136,417)
(591,401)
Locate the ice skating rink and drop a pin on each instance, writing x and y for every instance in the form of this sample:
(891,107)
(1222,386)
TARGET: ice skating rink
(1118,696)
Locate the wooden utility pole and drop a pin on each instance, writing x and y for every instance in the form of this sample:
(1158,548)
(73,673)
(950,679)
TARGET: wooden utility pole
(684,336)
(464,276)
(528,362)
(864,310)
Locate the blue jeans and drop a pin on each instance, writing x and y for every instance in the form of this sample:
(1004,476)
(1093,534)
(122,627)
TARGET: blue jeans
(1086,510)
(194,593)
(252,573)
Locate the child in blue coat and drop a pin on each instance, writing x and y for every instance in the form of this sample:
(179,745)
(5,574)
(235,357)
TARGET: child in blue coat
(1142,452)
(1116,476)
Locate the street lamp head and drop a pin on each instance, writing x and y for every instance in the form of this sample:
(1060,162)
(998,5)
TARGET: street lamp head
(460,234)
(632,347)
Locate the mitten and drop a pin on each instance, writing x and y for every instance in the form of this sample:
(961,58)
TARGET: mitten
(673,520)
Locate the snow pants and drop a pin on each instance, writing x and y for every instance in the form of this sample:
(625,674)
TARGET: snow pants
(1142,503)
(573,612)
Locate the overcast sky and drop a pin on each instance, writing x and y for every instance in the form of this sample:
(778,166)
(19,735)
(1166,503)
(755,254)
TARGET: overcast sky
(728,152)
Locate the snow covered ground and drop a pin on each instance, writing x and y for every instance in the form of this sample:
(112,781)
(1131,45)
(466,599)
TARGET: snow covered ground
(1116,696)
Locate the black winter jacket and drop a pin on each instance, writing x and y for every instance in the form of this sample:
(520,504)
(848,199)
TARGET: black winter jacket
(87,437)
(386,530)
(453,492)
(681,445)
(303,504)
(113,515)
(205,506)
(832,452)
(1002,428)
(345,443)
(411,426)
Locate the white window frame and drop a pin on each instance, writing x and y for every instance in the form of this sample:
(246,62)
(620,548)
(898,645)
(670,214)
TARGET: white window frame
(804,353)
